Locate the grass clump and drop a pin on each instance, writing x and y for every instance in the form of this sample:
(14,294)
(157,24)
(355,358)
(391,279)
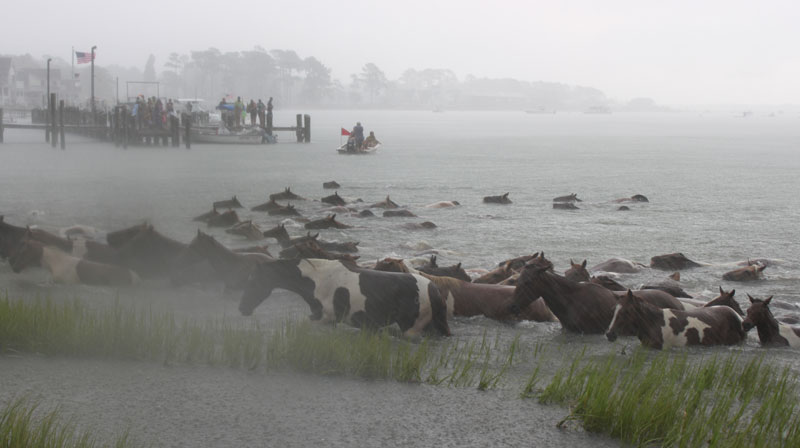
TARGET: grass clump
(670,401)
(22,426)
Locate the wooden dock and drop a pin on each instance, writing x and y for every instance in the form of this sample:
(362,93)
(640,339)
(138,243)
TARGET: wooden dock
(122,128)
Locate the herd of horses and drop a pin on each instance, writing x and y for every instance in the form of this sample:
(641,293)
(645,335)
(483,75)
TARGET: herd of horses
(328,277)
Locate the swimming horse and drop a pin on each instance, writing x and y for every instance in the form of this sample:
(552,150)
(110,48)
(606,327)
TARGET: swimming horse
(581,307)
(68,269)
(232,267)
(770,331)
(340,292)
(664,328)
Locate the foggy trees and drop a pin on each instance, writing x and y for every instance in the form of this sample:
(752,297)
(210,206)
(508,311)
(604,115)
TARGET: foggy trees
(374,80)
(317,84)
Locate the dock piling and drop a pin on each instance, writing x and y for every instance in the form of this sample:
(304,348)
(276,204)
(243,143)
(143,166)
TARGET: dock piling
(1,125)
(53,131)
(188,125)
(125,121)
(299,130)
(61,124)
(307,128)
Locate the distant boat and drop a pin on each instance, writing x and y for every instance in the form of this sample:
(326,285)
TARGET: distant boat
(220,135)
(371,150)
(540,110)
(598,110)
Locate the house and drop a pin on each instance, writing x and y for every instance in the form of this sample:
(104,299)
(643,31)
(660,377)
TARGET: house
(7,80)
(31,83)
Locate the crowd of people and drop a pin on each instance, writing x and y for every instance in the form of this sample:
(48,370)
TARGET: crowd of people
(235,114)
(152,112)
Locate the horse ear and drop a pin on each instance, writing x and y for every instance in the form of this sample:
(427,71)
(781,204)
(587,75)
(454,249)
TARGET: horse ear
(733,292)
(332,217)
(752,300)
(721,291)
(761,268)
(433,261)
(506,195)
(768,299)
(583,265)
(571,263)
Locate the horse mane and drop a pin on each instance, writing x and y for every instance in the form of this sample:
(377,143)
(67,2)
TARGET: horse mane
(443,283)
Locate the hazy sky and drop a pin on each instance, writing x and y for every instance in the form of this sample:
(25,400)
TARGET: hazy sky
(677,52)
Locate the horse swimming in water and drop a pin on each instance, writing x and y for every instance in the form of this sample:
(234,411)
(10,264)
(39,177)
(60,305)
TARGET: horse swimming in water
(341,292)
(327,223)
(501,199)
(227,203)
(386,203)
(748,273)
(68,269)
(286,194)
(334,199)
(234,268)
(246,229)
(770,331)
(664,328)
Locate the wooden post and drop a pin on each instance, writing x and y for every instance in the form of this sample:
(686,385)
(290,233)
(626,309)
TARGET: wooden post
(47,123)
(299,130)
(125,121)
(1,125)
(307,128)
(269,123)
(61,124)
(53,134)
(186,137)
(115,132)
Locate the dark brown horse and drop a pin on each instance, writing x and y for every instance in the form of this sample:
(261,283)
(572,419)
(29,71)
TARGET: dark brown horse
(225,219)
(149,253)
(233,268)
(673,262)
(581,307)
(607,282)
(334,199)
(288,210)
(664,328)
(330,185)
(286,194)
(398,213)
(227,203)
(577,272)
(11,236)
(267,206)
(207,216)
(310,249)
(118,238)
(499,199)
(454,271)
(568,198)
(770,331)
(246,229)
(565,206)
(329,222)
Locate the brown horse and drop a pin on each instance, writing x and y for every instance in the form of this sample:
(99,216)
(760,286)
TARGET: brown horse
(118,238)
(399,213)
(150,253)
(770,331)
(68,269)
(334,199)
(471,299)
(664,328)
(330,185)
(672,262)
(568,198)
(454,271)
(310,249)
(577,272)
(228,203)
(233,268)
(207,216)
(746,274)
(267,206)
(225,219)
(329,222)
(286,194)
(288,210)
(565,206)
(386,203)
(581,307)
(618,266)
(246,229)
(11,236)
(500,199)
(607,282)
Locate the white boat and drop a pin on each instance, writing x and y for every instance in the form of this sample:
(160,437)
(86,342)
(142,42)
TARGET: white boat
(220,135)
(371,150)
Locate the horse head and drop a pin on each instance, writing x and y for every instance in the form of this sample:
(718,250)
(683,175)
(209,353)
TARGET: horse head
(577,272)
(389,264)
(726,299)
(269,275)
(627,314)
(759,314)
(527,288)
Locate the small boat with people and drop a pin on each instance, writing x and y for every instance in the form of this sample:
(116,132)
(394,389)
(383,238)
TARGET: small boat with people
(220,134)
(356,143)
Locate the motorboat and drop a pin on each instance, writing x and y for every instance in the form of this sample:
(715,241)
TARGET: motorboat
(362,151)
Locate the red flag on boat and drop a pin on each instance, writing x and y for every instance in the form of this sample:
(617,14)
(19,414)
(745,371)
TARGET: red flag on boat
(345,131)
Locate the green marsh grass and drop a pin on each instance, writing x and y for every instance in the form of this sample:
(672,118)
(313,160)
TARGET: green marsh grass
(669,400)
(21,426)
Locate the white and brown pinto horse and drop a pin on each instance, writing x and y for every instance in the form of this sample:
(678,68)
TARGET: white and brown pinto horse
(663,328)
(68,269)
(341,292)
(770,331)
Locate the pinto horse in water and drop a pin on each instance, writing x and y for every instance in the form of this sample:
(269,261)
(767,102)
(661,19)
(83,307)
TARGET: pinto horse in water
(770,331)
(581,307)
(664,328)
(341,292)
(68,269)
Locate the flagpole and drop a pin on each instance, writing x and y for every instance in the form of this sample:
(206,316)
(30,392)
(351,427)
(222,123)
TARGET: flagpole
(72,94)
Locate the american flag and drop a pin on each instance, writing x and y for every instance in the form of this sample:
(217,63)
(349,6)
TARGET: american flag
(83,57)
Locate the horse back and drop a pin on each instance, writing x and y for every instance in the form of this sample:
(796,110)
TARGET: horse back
(93,273)
(716,325)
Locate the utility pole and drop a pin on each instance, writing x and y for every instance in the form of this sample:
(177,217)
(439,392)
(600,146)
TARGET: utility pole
(47,120)
(93,108)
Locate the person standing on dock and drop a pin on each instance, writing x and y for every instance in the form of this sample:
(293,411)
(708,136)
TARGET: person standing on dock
(262,108)
(238,108)
(252,110)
